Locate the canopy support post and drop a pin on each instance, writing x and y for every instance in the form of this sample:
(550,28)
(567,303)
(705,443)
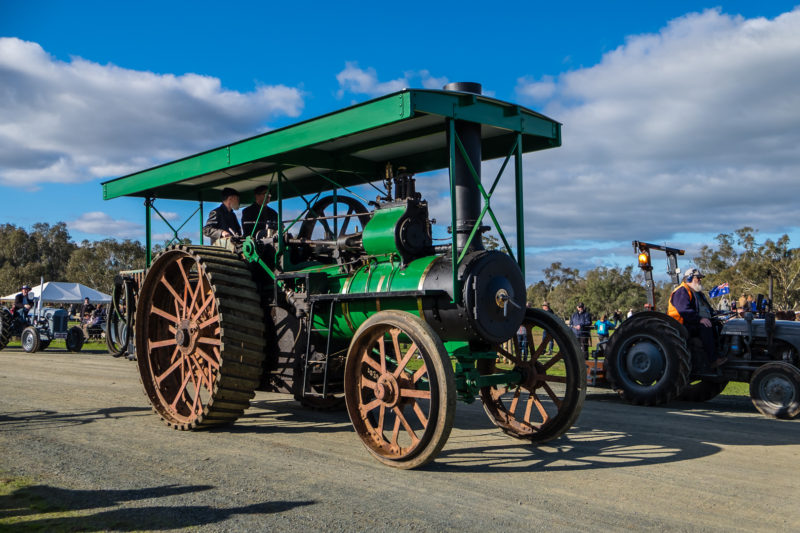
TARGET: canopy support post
(148,203)
(520,205)
(202,218)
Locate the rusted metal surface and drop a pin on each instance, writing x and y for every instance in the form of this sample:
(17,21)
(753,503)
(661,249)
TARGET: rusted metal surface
(545,403)
(199,337)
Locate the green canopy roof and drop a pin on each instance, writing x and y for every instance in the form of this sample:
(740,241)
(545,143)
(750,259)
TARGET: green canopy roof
(351,146)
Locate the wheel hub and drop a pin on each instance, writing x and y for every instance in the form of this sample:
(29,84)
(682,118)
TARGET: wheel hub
(778,391)
(645,362)
(186,335)
(533,375)
(387,390)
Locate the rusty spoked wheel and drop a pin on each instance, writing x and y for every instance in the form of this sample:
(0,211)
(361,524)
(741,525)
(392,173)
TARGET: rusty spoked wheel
(400,389)
(549,398)
(199,336)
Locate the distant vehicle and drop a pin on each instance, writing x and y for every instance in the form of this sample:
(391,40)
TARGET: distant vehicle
(651,359)
(39,329)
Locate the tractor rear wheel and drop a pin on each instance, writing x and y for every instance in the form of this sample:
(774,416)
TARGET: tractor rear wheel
(647,360)
(775,389)
(5,327)
(30,339)
(400,389)
(554,383)
(702,390)
(199,336)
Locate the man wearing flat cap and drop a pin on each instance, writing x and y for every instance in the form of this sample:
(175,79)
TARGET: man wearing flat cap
(222,222)
(259,215)
(23,302)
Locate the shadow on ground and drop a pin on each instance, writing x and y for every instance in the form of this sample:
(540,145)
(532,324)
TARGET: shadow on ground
(41,508)
(41,419)
(613,434)
(610,433)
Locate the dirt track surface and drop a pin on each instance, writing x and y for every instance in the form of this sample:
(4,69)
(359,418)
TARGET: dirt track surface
(80,426)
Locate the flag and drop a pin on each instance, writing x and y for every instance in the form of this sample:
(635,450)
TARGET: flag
(719,290)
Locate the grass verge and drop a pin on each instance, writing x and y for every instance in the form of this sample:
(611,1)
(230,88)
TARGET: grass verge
(24,509)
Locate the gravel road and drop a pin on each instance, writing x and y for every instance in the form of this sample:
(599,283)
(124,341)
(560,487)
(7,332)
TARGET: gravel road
(81,428)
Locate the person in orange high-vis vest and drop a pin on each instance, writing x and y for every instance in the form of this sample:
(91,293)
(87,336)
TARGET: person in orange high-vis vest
(688,305)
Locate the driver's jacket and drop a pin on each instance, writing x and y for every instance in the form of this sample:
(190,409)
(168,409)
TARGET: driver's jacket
(683,305)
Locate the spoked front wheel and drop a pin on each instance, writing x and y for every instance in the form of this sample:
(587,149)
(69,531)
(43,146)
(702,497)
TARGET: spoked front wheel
(400,389)
(548,400)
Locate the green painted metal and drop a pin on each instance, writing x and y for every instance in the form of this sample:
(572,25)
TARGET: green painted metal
(486,205)
(202,218)
(250,253)
(380,234)
(175,237)
(451,125)
(520,204)
(379,275)
(408,123)
(148,243)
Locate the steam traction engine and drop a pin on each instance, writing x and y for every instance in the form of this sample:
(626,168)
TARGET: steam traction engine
(346,305)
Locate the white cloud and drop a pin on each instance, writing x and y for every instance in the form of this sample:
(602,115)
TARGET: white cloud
(692,129)
(355,80)
(536,91)
(359,81)
(99,223)
(432,82)
(169,215)
(63,122)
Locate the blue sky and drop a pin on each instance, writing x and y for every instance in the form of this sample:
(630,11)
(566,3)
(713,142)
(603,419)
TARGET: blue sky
(681,119)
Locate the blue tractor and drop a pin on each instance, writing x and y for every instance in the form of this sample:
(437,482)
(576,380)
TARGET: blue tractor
(39,328)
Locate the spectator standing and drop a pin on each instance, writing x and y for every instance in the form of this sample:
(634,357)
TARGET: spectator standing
(742,302)
(522,339)
(603,327)
(581,324)
(546,307)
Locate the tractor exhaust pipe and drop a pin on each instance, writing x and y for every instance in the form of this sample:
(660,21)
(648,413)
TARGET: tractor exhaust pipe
(467,194)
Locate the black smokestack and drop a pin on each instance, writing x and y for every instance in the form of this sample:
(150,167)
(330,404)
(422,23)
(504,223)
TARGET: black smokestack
(468,196)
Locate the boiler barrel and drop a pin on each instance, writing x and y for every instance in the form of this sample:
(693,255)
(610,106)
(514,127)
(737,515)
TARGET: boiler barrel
(493,296)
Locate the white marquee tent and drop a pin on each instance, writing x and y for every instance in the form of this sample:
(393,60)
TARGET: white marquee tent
(64,293)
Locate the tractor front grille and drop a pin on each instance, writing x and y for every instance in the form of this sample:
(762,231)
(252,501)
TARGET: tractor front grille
(60,323)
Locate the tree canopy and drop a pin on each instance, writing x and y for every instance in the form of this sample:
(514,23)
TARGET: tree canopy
(48,252)
(746,264)
(738,258)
